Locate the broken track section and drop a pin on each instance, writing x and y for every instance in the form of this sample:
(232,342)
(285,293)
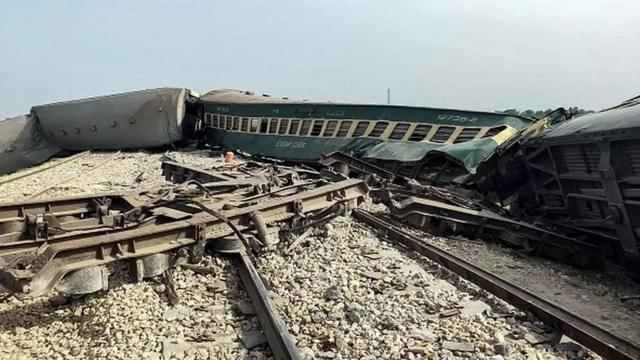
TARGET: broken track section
(69,245)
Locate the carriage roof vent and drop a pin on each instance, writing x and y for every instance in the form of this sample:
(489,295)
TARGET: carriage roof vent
(266,95)
(248,92)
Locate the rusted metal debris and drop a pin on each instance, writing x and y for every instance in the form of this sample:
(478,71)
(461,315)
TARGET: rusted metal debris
(442,218)
(69,244)
(349,165)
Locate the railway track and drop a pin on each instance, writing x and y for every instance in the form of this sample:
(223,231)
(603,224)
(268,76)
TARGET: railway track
(604,343)
(281,343)
(70,244)
(71,237)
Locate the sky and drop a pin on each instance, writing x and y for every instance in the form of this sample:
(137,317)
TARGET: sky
(477,55)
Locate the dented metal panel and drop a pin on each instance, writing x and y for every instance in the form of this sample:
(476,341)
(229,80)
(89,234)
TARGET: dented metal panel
(22,144)
(584,176)
(136,119)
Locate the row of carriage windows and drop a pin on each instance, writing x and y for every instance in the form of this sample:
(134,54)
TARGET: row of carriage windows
(335,128)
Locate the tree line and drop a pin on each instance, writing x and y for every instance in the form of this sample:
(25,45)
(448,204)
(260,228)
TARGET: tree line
(538,114)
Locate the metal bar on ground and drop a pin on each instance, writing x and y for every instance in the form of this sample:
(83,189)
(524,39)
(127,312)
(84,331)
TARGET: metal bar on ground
(356,164)
(274,328)
(590,335)
(59,254)
(179,173)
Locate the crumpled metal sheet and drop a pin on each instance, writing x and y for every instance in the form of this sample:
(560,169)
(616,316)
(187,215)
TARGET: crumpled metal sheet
(469,154)
(22,144)
(135,119)
(618,118)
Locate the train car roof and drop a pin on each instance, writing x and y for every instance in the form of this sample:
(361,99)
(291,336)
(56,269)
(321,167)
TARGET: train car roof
(248,97)
(116,95)
(623,116)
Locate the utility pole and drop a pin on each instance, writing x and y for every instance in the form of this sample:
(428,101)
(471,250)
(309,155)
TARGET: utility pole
(388,95)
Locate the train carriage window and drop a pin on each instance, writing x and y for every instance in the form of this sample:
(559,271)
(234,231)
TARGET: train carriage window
(255,124)
(344,129)
(229,123)
(361,128)
(245,124)
(494,131)
(304,128)
(443,134)
(214,122)
(264,125)
(283,126)
(378,129)
(207,119)
(293,129)
(420,132)
(399,131)
(466,134)
(273,126)
(317,127)
(236,123)
(330,129)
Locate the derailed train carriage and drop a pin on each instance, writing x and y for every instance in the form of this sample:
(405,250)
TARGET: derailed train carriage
(437,145)
(583,177)
(137,119)
(580,177)
(22,144)
(577,177)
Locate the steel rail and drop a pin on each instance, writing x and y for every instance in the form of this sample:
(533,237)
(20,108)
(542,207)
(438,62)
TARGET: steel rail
(62,254)
(417,209)
(275,330)
(592,336)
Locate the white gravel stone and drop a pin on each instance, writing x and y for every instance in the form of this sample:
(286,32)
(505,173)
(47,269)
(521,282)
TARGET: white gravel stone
(133,320)
(381,317)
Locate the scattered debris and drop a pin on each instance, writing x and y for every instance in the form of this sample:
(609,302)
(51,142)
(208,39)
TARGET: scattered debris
(458,346)
(535,338)
(407,299)
(253,339)
(374,275)
(245,307)
(298,241)
(449,313)
(199,269)
(217,287)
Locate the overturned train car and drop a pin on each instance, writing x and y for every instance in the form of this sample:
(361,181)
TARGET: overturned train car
(437,145)
(135,119)
(584,178)
(138,119)
(22,144)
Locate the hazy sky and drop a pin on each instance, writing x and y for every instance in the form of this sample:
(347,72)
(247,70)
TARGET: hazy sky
(483,55)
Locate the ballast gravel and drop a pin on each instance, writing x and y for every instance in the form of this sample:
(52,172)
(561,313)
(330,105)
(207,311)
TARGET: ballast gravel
(345,294)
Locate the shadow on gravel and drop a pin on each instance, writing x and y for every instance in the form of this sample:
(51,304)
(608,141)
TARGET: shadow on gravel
(39,313)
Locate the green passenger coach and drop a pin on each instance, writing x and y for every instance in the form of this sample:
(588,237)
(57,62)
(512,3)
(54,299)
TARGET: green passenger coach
(409,140)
